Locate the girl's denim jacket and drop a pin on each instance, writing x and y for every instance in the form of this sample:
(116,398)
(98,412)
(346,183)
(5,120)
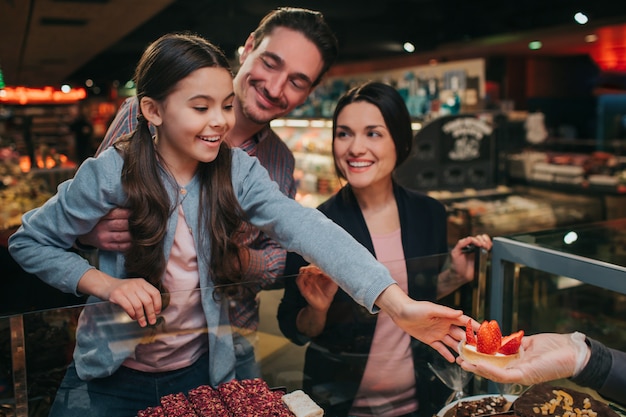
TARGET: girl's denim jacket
(41,246)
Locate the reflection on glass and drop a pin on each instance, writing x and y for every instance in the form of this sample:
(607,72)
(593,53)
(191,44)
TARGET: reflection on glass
(455,378)
(50,336)
(604,241)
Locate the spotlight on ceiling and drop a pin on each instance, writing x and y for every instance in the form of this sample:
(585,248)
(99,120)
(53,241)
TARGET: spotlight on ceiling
(409,47)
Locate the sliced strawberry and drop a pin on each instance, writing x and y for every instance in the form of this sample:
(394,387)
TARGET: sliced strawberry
(517,335)
(470,338)
(495,329)
(489,337)
(511,343)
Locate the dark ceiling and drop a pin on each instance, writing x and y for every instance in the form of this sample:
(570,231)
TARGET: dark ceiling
(366,29)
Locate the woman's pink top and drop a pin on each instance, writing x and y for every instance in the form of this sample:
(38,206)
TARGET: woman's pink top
(388,384)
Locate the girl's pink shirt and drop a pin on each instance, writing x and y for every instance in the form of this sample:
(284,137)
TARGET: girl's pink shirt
(184,337)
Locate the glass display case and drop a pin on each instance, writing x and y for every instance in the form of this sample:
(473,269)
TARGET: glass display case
(310,140)
(562,280)
(512,210)
(36,346)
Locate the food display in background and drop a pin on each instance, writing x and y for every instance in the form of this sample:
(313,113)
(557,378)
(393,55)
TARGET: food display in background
(598,169)
(489,345)
(19,191)
(236,398)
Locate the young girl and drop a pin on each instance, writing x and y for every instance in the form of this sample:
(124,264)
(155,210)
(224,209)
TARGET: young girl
(188,194)
(377,367)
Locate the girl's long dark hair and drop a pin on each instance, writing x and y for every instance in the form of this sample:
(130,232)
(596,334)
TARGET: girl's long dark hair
(165,62)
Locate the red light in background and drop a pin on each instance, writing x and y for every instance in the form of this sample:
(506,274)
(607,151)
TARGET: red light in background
(26,95)
(609,51)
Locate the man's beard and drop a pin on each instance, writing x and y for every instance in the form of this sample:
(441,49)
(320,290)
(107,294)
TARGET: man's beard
(253,116)
(258,114)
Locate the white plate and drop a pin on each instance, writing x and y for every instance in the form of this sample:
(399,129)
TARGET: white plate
(444,410)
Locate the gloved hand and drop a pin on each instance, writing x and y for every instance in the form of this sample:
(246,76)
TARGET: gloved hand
(546,357)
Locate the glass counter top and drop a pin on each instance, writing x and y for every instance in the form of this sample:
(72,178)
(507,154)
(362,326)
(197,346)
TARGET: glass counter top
(601,241)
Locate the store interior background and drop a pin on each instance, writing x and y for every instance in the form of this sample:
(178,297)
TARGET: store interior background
(55,42)
(478,51)
(95,44)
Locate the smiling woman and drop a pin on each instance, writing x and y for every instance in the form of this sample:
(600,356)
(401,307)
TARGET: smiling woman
(372,363)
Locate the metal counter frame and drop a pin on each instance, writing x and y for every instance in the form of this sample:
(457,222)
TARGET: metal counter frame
(506,253)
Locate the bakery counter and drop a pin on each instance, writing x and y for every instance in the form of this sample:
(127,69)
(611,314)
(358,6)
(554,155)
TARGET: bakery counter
(36,346)
(562,280)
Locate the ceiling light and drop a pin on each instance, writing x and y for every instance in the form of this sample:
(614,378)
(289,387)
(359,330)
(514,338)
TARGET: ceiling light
(534,45)
(581,18)
(409,47)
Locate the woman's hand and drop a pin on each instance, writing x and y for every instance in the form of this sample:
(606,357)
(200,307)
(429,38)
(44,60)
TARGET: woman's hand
(319,291)
(463,263)
(316,287)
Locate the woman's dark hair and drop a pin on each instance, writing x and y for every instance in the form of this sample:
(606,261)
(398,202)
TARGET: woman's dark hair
(162,66)
(391,106)
(308,22)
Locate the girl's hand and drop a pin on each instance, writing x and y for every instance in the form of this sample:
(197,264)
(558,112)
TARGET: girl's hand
(433,324)
(138,298)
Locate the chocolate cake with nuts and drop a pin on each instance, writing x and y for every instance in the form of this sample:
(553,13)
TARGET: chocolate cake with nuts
(548,400)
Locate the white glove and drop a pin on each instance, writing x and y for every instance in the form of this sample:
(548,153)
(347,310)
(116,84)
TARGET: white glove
(547,356)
